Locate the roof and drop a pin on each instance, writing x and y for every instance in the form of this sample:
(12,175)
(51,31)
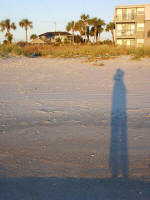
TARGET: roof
(133,6)
(38,41)
(51,34)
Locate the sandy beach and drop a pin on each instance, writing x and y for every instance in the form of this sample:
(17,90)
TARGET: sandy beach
(57,127)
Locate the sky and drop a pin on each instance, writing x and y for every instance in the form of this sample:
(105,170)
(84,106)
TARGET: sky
(43,13)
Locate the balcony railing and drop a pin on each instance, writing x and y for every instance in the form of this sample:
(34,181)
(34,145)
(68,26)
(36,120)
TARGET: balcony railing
(125,18)
(126,34)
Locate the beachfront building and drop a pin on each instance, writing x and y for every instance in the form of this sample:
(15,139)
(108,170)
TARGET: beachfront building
(132,24)
(52,37)
(56,36)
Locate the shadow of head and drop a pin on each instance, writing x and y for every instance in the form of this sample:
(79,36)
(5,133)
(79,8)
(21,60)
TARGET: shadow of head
(119,75)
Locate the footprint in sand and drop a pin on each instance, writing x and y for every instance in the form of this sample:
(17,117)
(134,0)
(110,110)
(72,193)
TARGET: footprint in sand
(44,111)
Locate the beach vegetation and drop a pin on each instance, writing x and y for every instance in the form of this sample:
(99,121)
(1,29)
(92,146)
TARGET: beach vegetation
(71,27)
(25,23)
(111,27)
(90,51)
(33,36)
(7,25)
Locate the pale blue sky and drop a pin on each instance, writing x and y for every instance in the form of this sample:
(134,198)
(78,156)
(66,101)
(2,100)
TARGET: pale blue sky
(44,13)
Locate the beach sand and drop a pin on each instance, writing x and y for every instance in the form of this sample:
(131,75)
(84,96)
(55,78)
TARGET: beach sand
(56,129)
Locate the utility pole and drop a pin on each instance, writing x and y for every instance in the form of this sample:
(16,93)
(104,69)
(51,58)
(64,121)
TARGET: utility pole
(55,26)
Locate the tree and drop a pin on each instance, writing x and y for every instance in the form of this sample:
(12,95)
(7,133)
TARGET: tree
(111,27)
(9,37)
(88,33)
(33,36)
(100,29)
(98,32)
(71,27)
(91,33)
(97,25)
(79,26)
(58,40)
(78,39)
(7,25)
(25,23)
(85,19)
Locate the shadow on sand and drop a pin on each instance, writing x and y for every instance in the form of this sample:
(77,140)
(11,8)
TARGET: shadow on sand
(118,159)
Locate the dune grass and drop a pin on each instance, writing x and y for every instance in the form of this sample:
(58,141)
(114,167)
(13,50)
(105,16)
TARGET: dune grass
(72,51)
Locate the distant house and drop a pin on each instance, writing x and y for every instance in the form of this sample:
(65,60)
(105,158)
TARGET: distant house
(56,36)
(38,41)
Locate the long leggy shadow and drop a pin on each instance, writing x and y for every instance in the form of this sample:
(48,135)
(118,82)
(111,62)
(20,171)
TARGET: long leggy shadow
(118,160)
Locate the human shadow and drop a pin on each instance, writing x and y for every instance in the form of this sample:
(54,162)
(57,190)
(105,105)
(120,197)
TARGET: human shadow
(118,157)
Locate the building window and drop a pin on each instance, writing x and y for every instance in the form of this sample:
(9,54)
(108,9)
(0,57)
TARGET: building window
(125,29)
(140,11)
(119,11)
(119,14)
(119,42)
(140,27)
(128,42)
(140,42)
(131,12)
(119,29)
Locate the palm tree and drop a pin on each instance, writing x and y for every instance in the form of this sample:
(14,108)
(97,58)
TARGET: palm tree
(25,23)
(9,37)
(71,27)
(79,27)
(88,33)
(111,27)
(97,24)
(85,19)
(100,29)
(92,32)
(33,36)
(7,25)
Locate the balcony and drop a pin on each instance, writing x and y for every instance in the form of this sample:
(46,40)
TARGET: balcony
(127,34)
(125,18)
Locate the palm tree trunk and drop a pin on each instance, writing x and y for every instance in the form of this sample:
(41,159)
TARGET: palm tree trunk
(81,33)
(26,35)
(8,32)
(93,39)
(95,31)
(73,36)
(85,32)
(112,32)
(99,37)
